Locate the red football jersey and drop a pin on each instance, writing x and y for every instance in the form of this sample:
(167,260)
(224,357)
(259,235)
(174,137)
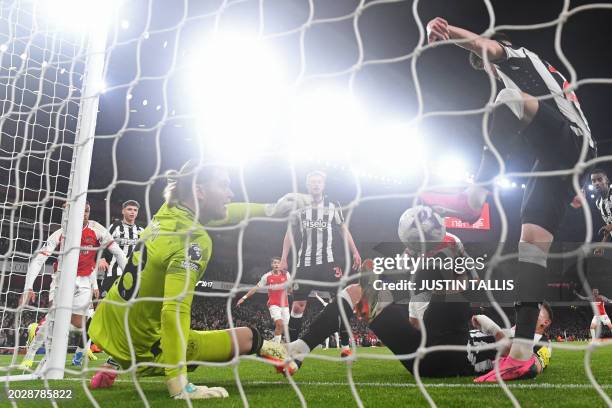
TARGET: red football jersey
(277,292)
(93,238)
(599,305)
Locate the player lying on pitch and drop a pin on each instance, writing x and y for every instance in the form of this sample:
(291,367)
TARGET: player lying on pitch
(446,320)
(145,318)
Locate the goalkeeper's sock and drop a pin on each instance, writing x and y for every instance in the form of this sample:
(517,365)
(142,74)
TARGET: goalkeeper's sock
(295,325)
(256,342)
(37,342)
(326,323)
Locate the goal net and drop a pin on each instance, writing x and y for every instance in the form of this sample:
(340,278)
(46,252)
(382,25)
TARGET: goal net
(271,90)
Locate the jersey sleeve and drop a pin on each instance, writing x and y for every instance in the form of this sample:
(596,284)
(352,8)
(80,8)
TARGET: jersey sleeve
(107,255)
(510,53)
(237,212)
(102,234)
(183,271)
(263,281)
(39,260)
(338,216)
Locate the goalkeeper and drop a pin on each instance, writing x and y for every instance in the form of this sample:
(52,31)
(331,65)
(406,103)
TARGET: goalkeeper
(145,317)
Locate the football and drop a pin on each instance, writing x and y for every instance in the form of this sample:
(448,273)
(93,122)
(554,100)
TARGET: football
(419,220)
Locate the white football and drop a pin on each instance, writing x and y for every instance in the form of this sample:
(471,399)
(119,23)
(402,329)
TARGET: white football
(424,219)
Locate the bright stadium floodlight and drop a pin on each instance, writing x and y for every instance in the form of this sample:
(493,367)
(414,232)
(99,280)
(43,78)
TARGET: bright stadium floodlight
(76,15)
(451,168)
(504,182)
(237,85)
(327,124)
(393,150)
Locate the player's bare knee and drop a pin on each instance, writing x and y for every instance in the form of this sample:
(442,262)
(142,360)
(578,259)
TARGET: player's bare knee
(298,306)
(352,293)
(536,235)
(77,320)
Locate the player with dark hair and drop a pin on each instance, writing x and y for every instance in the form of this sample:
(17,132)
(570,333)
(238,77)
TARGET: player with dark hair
(601,183)
(94,238)
(278,303)
(125,232)
(536,108)
(599,310)
(145,317)
(320,233)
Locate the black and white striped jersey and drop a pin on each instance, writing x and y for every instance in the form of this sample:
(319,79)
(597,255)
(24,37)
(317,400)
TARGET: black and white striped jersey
(126,236)
(484,360)
(319,239)
(604,204)
(525,71)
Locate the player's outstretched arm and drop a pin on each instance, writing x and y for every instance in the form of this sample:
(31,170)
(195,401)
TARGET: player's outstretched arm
(581,297)
(250,293)
(284,265)
(37,264)
(351,243)
(438,29)
(237,212)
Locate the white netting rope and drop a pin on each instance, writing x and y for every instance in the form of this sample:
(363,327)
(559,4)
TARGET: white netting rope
(57,138)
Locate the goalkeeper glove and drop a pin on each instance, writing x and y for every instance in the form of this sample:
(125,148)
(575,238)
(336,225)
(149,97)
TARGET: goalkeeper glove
(286,204)
(180,388)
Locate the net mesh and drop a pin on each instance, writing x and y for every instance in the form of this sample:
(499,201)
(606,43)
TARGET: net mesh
(149,123)
(41,75)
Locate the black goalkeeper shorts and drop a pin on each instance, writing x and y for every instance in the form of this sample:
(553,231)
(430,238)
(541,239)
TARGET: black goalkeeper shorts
(557,147)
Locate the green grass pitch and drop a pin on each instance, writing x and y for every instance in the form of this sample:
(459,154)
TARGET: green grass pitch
(380,383)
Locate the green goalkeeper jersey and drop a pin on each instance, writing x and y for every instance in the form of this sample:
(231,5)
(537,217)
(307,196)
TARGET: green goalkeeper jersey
(150,304)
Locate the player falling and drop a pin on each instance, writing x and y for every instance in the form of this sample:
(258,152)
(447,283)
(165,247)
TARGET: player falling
(444,319)
(554,130)
(143,323)
(94,237)
(278,303)
(599,311)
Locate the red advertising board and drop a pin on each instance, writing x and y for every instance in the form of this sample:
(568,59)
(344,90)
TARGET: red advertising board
(483,223)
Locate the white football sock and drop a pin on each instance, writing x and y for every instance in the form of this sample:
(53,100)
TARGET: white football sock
(277,338)
(298,349)
(521,351)
(37,341)
(592,333)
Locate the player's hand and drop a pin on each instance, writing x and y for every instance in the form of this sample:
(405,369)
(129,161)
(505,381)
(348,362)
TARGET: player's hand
(356,261)
(102,265)
(28,297)
(288,203)
(283,265)
(437,30)
(180,388)
(96,293)
(577,202)
(240,301)
(475,322)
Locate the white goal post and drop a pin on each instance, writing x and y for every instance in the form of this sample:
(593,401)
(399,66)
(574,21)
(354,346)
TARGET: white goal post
(59,314)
